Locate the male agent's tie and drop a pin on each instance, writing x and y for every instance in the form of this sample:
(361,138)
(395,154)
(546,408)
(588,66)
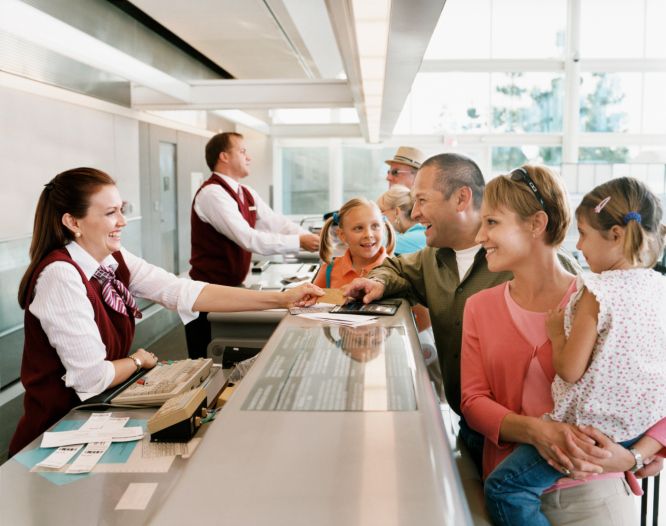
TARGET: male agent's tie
(115,294)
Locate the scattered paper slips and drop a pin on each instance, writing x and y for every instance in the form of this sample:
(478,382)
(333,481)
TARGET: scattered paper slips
(60,457)
(78,436)
(103,422)
(348,320)
(90,456)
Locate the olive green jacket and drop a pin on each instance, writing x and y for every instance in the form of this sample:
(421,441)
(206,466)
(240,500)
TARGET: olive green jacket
(430,277)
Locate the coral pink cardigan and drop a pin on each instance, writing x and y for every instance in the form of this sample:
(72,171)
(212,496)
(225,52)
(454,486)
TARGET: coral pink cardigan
(495,359)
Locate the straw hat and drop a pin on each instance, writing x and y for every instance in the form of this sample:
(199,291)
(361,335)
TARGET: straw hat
(407,155)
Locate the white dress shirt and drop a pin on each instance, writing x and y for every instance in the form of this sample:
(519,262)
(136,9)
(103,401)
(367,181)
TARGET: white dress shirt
(272,234)
(62,306)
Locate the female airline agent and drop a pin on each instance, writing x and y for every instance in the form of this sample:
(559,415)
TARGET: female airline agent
(78,298)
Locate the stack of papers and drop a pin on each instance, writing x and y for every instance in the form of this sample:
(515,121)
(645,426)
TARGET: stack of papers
(98,432)
(78,436)
(348,320)
(100,427)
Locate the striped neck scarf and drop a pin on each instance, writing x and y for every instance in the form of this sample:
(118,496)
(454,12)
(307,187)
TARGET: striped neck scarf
(115,294)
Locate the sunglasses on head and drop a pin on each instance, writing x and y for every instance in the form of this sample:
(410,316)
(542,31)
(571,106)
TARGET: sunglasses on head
(521,175)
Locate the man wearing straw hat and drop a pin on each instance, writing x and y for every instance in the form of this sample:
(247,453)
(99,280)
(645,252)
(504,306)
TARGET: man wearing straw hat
(403,166)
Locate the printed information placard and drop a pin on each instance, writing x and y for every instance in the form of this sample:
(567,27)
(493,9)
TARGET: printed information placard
(366,368)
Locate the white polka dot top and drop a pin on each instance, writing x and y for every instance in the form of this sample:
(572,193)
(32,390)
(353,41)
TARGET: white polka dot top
(623,391)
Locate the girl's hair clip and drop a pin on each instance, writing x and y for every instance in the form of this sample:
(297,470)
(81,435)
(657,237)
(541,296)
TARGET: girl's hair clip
(601,204)
(336,218)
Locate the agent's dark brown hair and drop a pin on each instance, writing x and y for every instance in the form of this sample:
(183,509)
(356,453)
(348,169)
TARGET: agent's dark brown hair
(216,145)
(67,193)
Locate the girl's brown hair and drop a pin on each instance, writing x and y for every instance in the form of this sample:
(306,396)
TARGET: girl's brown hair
(325,248)
(628,203)
(68,192)
(513,192)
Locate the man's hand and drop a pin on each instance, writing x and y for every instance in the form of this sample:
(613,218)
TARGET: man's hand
(652,467)
(309,242)
(364,289)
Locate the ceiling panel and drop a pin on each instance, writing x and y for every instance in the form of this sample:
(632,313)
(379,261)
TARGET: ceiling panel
(231,33)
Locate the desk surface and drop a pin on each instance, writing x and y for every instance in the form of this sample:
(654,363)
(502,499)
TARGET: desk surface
(272,278)
(279,467)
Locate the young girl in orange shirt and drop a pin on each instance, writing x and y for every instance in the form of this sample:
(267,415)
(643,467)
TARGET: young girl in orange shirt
(361,228)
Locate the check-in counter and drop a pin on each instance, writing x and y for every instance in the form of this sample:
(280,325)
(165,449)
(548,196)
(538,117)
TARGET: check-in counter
(332,426)
(251,330)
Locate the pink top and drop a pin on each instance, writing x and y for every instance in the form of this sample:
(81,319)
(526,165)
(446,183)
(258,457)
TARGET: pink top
(536,388)
(495,354)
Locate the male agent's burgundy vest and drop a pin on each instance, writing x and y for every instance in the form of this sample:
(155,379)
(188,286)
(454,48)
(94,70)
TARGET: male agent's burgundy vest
(216,258)
(47,399)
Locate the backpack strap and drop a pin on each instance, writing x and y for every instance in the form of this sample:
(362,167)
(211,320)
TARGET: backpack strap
(329,269)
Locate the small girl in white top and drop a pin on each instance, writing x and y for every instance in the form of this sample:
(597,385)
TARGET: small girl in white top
(608,344)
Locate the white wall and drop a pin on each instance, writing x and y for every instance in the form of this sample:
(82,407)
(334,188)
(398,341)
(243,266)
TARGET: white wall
(42,137)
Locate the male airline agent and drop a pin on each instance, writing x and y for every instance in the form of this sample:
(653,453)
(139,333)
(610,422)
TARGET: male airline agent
(229,222)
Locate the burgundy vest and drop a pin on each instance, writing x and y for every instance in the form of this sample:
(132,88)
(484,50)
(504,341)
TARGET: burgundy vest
(216,258)
(47,399)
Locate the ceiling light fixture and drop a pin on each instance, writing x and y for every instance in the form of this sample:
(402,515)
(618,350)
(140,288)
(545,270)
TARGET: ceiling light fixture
(33,25)
(371,21)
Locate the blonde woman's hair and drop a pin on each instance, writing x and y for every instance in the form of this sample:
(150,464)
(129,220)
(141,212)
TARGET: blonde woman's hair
(398,196)
(513,192)
(628,203)
(338,218)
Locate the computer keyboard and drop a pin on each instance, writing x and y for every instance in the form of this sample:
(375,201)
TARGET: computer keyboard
(164,381)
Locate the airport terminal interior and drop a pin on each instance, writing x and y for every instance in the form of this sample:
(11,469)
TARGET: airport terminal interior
(324,94)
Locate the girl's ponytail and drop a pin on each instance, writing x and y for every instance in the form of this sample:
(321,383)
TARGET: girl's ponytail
(325,250)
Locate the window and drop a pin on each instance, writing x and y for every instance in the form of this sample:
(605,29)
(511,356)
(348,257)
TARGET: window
(610,102)
(654,102)
(463,31)
(304,180)
(499,29)
(507,158)
(527,102)
(446,103)
(603,154)
(319,176)
(515,32)
(619,35)
(364,171)
(655,36)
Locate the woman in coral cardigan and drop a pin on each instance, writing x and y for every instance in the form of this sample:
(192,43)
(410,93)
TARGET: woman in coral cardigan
(507,357)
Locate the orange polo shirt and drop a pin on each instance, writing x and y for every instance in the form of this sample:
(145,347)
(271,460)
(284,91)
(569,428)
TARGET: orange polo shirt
(343,270)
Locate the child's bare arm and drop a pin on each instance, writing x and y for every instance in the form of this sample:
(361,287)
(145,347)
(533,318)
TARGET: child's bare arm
(571,356)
